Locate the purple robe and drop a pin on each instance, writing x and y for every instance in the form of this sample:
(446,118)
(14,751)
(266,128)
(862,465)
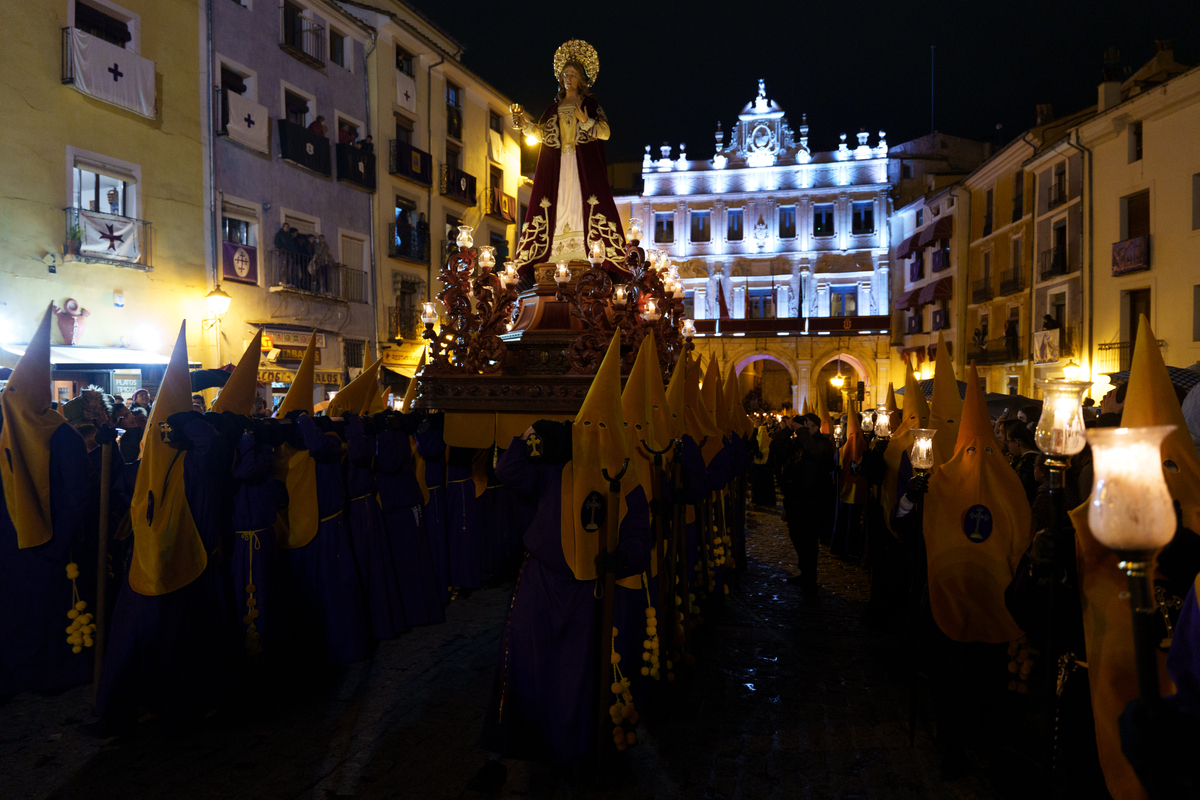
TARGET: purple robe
(323,570)
(543,701)
(600,220)
(1183,660)
(403,518)
(35,593)
(255,551)
(172,652)
(374,550)
(432,449)
(464,534)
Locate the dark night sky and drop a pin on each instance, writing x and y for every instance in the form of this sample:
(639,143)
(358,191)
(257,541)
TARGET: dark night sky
(669,71)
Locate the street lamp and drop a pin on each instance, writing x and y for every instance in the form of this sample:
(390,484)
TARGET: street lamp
(218,302)
(1131,513)
(1071,370)
(837,380)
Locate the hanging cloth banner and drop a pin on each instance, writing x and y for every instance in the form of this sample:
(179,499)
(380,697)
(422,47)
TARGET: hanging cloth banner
(249,123)
(112,74)
(109,236)
(406,91)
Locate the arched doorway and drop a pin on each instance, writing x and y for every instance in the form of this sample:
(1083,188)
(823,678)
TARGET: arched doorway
(851,373)
(766,382)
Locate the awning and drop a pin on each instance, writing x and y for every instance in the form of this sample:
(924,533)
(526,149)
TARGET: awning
(941,289)
(907,247)
(908,299)
(942,229)
(97,357)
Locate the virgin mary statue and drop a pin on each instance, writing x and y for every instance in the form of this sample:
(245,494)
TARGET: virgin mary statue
(571,207)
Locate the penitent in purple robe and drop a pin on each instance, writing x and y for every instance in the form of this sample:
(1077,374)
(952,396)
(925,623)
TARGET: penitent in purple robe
(255,559)
(374,550)
(404,519)
(543,700)
(170,653)
(35,593)
(464,536)
(1183,661)
(432,449)
(324,570)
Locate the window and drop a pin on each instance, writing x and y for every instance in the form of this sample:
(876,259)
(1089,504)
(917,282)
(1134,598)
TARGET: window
(1135,142)
(452,223)
(823,219)
(98,187)
(453,155)
(843,301)
(238,231)
(1058,308)
(787,222)
(701,229)
(354,353)
(987,267)
(338,45)
(664,227)
(1137,303)
(1014,384)
(1018,195)
(453,111)
(404,61)
(232,81)
(296,108)
(351,252)
(1016,256)
(495,123)
(863,219)
(920,217)
(759,304)
(733,222)
(496,179)
(906,170)
(1137,215)
(500,242)
(453,95)
(404,129)
(988,210)
(101,25)
(347,131)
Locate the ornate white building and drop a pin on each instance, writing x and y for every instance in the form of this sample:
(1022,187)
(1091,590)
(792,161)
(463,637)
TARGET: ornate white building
(774,239)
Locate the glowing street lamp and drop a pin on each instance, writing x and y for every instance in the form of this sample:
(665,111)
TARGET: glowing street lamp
(218,302)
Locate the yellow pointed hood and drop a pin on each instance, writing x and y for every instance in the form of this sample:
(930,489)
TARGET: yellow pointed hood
(410,393)
(698,420)
(676,398)
(947,405)
(915,415)
(355,393)
(892,409)
(644,401)
(597,443)
(168,553)
(822,411)
(300,393)
(376,401)
(738,421)
(853,488)
(29,424)
(238,393)
(977,527)
(804,408)
(714,396)
(1107,626)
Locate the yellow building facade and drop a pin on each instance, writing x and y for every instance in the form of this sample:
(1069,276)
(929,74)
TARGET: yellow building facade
(89,145)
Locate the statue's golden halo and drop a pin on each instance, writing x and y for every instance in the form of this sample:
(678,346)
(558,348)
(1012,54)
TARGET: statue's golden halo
(581,52)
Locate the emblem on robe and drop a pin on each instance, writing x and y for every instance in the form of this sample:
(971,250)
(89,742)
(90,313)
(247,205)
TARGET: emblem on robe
(977,523)
(593,511)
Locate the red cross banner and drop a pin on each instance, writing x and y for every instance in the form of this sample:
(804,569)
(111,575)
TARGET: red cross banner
(109,236)
(113,74)
(248,123)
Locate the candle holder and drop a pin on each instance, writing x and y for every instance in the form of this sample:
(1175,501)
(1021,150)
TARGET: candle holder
(465,240)
(620,295)
(650,310)
(517,112)
(487,257)
(509,276)
(429,316)
(883,422)
(921,454)
(1131,513)
(596,253)
(867,422)
(634,234)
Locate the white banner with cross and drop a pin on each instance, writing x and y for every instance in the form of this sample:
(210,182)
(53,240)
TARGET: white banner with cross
(112,74)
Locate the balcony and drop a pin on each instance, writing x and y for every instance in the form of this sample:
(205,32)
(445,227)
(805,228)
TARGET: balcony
(404,322)
(1006,350)
(981,291)
(303,39)
(501,206)
(1056,344)
(458,185)
(1116,356)
(406,161)
(914,323)
(1052,262)
(1131,255)
(795,326)
(454,121)
(304,148)
(294,273)
(1058,194)
(941,259)
(1011,281)
(408,243)
(355,167)
(92,237)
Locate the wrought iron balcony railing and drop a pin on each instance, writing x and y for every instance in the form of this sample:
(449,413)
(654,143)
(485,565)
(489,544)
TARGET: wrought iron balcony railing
(1053,262)
(355,166)
(408,162)
(303,39)
(981,290)
(108,239)
(298,273)
(1012,281)
(1005,350)
(404,322)
(408,243)
(458,185)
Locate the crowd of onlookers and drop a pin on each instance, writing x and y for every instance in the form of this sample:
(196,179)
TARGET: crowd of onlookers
(347,134)
(306,259)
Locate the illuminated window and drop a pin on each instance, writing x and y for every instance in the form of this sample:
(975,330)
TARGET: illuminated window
(664,227)
(701,228)
(823,219)
(843,301)
(863,219)
(787,222)
(733,224)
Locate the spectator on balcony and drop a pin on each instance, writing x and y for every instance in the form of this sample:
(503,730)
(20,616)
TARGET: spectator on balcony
(318,126)
(422,233)
(285,238)
(1011,339)
(345,134)
(320,264)
(404,230)
(1049,323)
(366,144)
(980,338)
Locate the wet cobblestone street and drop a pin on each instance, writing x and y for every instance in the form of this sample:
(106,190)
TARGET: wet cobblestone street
(788,699)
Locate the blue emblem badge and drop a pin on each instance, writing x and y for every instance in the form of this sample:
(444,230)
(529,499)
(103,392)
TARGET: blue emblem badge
(977,523)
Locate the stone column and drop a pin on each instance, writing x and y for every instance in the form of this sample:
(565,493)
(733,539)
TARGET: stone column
(700,302)
(802,278)
(801,390)
(823,300)
(739,301)
(881,288)
(783,305)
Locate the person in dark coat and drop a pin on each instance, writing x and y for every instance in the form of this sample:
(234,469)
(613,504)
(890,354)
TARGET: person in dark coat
(808,499)
(284,240)
(255,560)
(1021,447)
